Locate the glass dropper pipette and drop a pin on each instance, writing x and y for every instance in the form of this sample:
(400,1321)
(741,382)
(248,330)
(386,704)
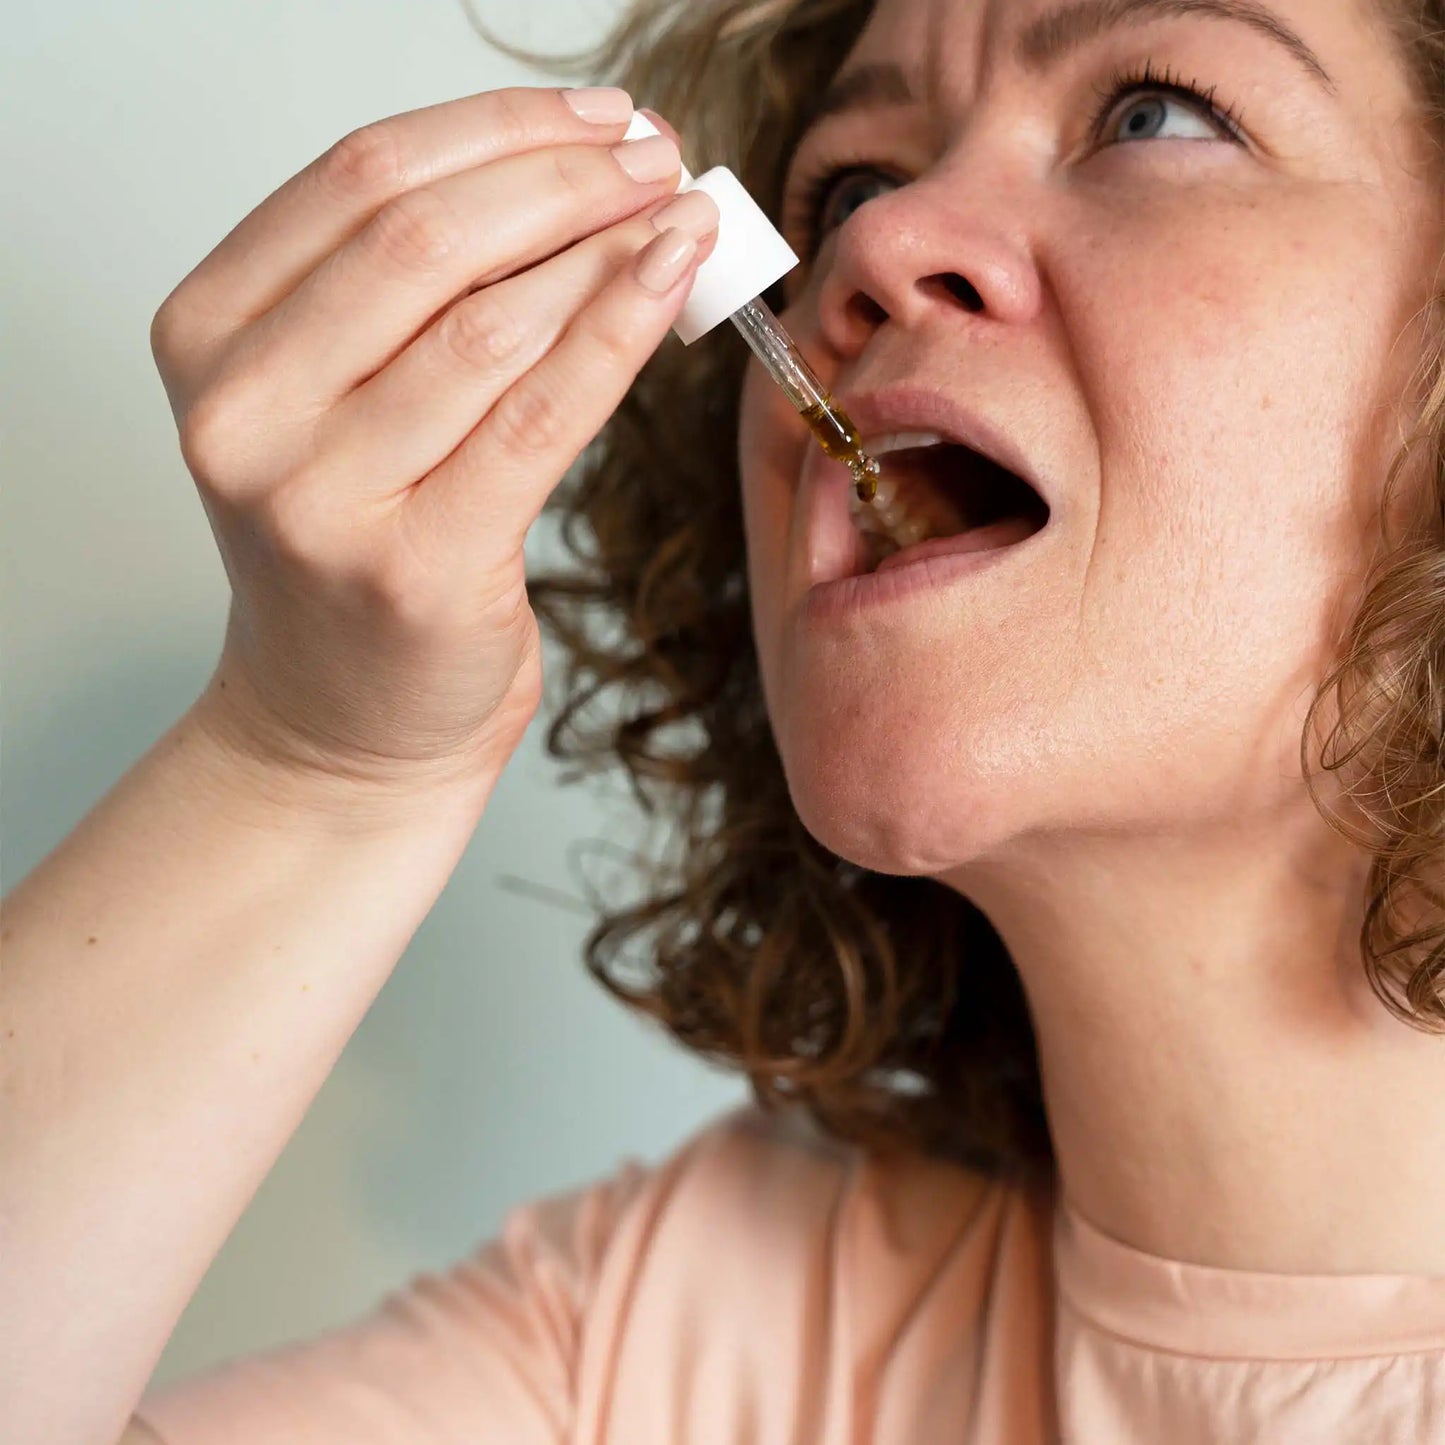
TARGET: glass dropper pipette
(749,256)
(831,425)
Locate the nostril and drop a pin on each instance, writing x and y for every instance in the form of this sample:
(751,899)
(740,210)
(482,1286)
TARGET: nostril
(961,290)
(867,310)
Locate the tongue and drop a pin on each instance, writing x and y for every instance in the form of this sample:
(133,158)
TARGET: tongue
(1003,533)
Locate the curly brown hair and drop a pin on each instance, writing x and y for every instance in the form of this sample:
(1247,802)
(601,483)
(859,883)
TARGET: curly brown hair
(888,1006)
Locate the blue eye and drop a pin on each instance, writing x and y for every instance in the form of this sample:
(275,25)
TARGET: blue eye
(1155,92)
(839,211)
(817,207)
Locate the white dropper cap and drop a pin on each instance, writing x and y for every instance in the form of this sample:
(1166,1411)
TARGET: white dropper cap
(748,257)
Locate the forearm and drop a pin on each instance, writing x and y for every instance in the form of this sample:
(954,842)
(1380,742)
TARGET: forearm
(177,979)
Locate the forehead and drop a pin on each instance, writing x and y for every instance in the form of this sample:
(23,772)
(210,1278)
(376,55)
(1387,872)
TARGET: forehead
(1034,36)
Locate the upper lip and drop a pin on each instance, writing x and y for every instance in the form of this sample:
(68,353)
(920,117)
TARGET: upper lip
(921,408)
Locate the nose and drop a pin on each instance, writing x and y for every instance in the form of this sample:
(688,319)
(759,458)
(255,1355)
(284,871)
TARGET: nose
(927,255)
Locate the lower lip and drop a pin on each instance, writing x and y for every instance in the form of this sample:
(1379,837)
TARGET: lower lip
(922,568)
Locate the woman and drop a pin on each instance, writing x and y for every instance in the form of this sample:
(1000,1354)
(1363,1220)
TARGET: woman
(1081,900)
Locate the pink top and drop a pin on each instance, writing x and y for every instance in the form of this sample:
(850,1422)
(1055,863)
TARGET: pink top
(767,1284)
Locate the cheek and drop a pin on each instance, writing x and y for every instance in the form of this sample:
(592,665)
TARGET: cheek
(1230,368)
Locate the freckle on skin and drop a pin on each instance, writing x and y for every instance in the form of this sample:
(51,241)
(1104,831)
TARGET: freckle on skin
(305,988)
(255,1058)
(91,939)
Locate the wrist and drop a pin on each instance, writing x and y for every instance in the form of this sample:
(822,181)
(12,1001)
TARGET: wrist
(255,781)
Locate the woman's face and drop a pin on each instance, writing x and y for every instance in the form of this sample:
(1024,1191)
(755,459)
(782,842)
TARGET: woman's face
(1186,335)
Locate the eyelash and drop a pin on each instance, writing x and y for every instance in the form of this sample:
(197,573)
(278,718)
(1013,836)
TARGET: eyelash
(1124,80)
(1145,77)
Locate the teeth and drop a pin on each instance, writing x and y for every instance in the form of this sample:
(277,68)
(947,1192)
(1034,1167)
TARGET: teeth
(910,530)
(900,441)
(890,520)
(886,521)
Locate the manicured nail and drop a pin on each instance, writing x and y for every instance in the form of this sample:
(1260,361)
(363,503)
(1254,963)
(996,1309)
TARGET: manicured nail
(653,158)
(664,259)
(600,104)
(694,212)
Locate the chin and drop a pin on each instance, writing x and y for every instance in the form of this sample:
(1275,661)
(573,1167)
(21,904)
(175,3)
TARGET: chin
(891,809)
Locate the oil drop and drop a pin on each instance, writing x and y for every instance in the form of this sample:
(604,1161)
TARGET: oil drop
(839,438)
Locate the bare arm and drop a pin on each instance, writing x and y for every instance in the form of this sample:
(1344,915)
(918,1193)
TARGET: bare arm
(179,977)
(379,376)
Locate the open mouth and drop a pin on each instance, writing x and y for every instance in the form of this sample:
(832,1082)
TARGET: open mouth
(935,495)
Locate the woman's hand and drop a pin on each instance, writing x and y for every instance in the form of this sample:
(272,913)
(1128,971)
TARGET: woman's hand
(378,377)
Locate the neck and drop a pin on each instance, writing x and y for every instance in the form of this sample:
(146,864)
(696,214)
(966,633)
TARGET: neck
(1223,1086)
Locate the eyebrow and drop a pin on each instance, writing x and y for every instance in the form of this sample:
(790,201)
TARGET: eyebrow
(1051,37)
(865,87)
(1055,35)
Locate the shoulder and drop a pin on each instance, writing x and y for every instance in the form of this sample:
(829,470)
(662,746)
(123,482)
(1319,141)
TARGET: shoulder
(759,1268)
(759,1200)
(765,1265)
(782,1161)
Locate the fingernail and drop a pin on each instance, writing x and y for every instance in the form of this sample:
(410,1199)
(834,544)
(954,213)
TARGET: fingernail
(694,212)
(600,104)
(653,158)
(664,259)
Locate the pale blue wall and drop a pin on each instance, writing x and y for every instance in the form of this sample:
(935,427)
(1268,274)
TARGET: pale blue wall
(490,1068)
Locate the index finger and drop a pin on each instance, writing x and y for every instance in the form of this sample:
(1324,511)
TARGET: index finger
(298,225)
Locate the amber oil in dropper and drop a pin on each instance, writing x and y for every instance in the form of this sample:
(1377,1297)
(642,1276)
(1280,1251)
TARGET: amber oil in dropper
(835,432)
(839,438)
